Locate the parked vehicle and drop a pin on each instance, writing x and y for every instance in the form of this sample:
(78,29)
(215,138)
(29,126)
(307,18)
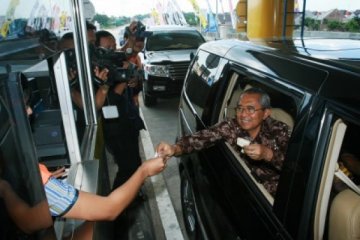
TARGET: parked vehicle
(314,88)
(166,60)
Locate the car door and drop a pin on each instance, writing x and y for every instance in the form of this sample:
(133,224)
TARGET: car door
(231,204)
(244,200)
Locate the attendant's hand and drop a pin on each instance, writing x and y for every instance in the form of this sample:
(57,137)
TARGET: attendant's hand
(58,173)
(153,166)
(258,152)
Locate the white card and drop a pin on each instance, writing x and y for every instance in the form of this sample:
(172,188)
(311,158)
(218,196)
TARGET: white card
(242,142)
(110,112)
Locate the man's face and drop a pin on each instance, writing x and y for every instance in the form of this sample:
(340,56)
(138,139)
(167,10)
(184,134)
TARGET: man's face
(108,43)
(251,122)
(91,36)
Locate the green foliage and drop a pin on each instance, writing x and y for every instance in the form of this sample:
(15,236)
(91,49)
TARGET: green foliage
(106,21)
(332,25)
(353,25)
(312,24)
(335,26)
(102,19)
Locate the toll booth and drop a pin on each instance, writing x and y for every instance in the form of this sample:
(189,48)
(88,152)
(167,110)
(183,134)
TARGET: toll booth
(33,72)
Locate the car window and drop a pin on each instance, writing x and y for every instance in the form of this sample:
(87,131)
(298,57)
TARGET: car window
(284,109)
(168,40)
(201,77)
(338,204)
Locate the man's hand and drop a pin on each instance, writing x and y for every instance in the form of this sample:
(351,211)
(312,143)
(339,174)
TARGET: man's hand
(165,150)
(258,152)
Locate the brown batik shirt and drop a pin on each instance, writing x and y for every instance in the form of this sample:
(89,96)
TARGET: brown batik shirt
(273,134)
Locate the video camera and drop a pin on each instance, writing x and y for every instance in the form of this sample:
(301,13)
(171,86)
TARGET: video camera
(140,32)
(113,61)
(109,59)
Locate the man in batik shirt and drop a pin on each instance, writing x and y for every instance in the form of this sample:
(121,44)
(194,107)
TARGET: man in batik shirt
(268,138)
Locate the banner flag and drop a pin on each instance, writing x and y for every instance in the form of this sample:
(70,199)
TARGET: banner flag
(212,23)
(196,8)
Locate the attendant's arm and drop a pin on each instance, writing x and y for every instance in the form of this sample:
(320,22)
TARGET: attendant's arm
(28,219)
(198,140)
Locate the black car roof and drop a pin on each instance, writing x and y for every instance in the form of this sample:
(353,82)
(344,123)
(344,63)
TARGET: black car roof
(328,67)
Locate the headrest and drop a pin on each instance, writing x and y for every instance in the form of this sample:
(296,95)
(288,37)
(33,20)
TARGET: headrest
(282,116)
(344,222)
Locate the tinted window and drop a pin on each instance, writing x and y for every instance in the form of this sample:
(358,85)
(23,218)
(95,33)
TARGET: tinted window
(174,40)
(284,109)
(202,75)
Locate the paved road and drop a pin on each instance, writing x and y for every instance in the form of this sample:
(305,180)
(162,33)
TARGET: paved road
(161,121)
(159,216)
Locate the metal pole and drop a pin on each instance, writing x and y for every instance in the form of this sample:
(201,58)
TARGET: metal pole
(216,20)
(82,58)
(303,20)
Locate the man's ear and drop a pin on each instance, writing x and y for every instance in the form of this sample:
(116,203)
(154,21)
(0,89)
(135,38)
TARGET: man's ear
(267,113)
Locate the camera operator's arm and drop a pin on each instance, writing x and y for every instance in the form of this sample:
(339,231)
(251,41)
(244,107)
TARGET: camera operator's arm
(102,92)
(119,88)
(130,42)
(134,81)
(75,93)
(76,97)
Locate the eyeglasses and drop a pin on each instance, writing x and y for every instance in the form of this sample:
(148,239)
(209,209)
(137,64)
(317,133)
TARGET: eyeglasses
(247,110)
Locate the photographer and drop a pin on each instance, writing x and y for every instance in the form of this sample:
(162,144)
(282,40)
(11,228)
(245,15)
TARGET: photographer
(66,44)
(121,120)
(134,37)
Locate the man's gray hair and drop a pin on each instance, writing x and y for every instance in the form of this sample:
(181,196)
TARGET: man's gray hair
(264,97)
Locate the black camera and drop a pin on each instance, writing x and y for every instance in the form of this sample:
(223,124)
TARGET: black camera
(113,61)
(140,32)
(109,59)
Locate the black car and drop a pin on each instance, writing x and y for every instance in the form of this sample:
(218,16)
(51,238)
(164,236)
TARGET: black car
(166,60)
(314,88)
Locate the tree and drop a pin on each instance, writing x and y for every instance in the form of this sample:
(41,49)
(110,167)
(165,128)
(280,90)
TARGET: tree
(102,19)
(353,25)
(335,26)
(312,24)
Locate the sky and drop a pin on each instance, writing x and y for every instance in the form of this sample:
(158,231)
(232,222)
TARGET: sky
(131,8)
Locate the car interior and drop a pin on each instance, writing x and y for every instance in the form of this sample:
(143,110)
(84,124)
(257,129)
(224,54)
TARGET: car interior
(340,218)
(283,109)
(344,206)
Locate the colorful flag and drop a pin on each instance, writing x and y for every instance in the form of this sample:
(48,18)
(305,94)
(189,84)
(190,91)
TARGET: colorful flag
(212,23)
(196,8)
